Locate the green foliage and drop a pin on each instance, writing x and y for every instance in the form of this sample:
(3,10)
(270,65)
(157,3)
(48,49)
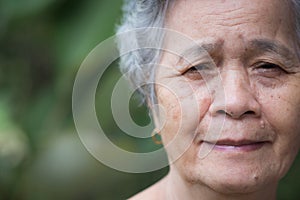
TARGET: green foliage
(43,43)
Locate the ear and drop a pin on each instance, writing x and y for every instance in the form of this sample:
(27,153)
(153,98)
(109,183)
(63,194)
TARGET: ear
(155,115)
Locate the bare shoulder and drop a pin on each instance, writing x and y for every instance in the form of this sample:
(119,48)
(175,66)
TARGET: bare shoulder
(155,191)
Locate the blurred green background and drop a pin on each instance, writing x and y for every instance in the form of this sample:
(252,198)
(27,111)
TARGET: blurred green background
(43,43)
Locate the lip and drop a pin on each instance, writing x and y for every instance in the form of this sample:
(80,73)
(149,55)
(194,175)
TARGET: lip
(233,145)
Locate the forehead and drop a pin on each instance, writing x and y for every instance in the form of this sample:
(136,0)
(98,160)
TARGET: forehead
(234,25)
(232,20)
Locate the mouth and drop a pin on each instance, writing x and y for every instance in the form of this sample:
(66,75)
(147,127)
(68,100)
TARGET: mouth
(233,145)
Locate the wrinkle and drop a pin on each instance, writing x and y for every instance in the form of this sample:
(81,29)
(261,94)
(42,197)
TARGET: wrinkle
(232,20)
(236,21)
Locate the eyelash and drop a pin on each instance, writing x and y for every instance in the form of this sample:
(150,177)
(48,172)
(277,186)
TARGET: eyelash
(199,67)
(268,69)
(194,71)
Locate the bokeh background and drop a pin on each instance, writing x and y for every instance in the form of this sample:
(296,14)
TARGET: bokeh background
(42,44)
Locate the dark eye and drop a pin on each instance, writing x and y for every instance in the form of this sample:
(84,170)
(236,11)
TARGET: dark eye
(268,70)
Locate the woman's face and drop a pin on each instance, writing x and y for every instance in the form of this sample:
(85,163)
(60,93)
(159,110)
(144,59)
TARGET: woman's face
(256,92)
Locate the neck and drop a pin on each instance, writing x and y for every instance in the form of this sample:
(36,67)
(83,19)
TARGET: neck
(178,188)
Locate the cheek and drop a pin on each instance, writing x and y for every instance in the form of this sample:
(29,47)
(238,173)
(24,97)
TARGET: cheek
(281,110)
(184,109)
(204,99)
(171,110)
(280,105)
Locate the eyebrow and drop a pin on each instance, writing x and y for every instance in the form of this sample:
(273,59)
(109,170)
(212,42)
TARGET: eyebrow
(256,47)
(197,49)
(264,45)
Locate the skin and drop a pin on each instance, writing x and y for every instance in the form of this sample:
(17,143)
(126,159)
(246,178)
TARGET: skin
(247,90)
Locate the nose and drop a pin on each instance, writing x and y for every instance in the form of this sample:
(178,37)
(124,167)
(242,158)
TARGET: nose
(235,98)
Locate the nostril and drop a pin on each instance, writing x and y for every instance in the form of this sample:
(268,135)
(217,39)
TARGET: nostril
(249,112)
(232,114)
(221,112)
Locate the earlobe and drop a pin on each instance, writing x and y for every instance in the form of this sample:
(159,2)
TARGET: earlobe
(153,136)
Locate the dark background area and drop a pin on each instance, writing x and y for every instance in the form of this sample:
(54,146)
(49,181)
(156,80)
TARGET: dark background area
(42,45)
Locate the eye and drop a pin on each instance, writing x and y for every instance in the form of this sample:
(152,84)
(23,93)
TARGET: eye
(197,72)
(268,70)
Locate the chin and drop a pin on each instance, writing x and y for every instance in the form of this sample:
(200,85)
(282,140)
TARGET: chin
(230,182)
(230,177)
(237,184)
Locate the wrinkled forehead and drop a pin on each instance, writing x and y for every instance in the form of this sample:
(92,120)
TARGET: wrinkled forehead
(229,12)
(207,16)
(232,24)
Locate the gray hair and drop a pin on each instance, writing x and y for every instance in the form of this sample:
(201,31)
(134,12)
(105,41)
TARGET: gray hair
(139,65)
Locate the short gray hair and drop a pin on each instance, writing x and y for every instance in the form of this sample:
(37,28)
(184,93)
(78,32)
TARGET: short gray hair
(139,65)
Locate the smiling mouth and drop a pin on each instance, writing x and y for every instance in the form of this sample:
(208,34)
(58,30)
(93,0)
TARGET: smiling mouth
(231,145)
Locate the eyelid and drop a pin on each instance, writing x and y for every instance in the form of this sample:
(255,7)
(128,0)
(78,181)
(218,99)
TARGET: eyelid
(185,63)
(263,63)
(206,64)
(285,64)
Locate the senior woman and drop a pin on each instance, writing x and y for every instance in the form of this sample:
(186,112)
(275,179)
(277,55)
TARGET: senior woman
(252,49)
